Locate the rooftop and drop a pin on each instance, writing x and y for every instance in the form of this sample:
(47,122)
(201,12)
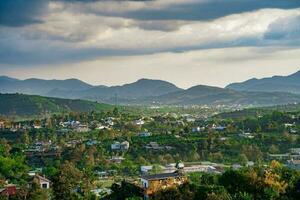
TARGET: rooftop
(161,176)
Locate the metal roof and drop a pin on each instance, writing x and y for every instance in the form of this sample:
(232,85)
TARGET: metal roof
(161,176)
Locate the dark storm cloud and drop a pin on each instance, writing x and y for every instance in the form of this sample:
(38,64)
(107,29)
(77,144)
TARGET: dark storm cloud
(58,55)
(21,12)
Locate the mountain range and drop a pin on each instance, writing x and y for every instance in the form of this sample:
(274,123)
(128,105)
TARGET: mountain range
(289,83)
(276,90)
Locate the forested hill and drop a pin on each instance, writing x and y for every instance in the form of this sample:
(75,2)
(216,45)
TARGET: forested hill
(25,105)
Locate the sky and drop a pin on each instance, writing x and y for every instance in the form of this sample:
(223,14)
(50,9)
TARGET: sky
(186,42)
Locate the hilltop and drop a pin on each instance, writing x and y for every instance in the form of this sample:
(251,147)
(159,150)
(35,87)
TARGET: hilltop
(25,105)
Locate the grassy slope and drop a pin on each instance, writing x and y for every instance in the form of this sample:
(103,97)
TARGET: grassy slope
(19,104)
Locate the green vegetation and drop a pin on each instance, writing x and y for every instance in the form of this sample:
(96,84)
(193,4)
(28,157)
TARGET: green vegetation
(28,105)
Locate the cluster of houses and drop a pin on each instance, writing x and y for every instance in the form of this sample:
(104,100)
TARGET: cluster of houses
(173,175)
(117,159)
(145,134)
(206,167)
(291,127)
(63,126)
(138,122)
(156,147)
(11,190)
(120,146)
(42,148)
(292,158)
(246,135)
(75,126)
(14,127)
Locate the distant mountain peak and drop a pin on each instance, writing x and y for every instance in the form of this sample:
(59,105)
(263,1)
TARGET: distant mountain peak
(296,74)
(7,78)
(147,80)
(290,83)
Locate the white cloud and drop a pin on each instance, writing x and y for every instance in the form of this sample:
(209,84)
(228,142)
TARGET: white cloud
(284,28)
(89,30)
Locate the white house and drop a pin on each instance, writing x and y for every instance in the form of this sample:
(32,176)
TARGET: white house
(295,151)
(82,128)
(144,134)
(124,146)
(294,164)
(115,146)
(42,181)
(117,159)
(139,122)
(146,169)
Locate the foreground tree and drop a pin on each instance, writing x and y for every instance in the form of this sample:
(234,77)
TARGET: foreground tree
(66,182)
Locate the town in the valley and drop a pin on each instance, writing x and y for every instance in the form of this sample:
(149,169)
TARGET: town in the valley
(142,154)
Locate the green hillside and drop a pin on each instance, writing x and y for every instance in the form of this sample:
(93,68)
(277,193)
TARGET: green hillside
(23,105)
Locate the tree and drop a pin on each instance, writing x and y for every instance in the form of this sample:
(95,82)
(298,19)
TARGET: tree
(242,196)
(25,138)
(36,193)
(66,182)
(273,149)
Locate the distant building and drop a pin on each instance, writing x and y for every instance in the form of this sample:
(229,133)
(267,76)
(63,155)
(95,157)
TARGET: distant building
(43,182)
(219,128)
(295,151)
(8,190)
(146,169)
(37,126)
(115,146)
(223,138)
(197,129)
(139,122)
(102,174)
(153,183)
(73,143)
(236,166)
(102,127)
(92,142)
(101,192)
(200,168)
(153,146)
(294,164)
(250,164)
(109,121)
(124,146)
(246,135)
(82,128)
(117,159)
(2,125)
(287,125)
(144,134)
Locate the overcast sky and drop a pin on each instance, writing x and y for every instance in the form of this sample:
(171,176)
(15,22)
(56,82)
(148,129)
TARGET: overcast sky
(187,42)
